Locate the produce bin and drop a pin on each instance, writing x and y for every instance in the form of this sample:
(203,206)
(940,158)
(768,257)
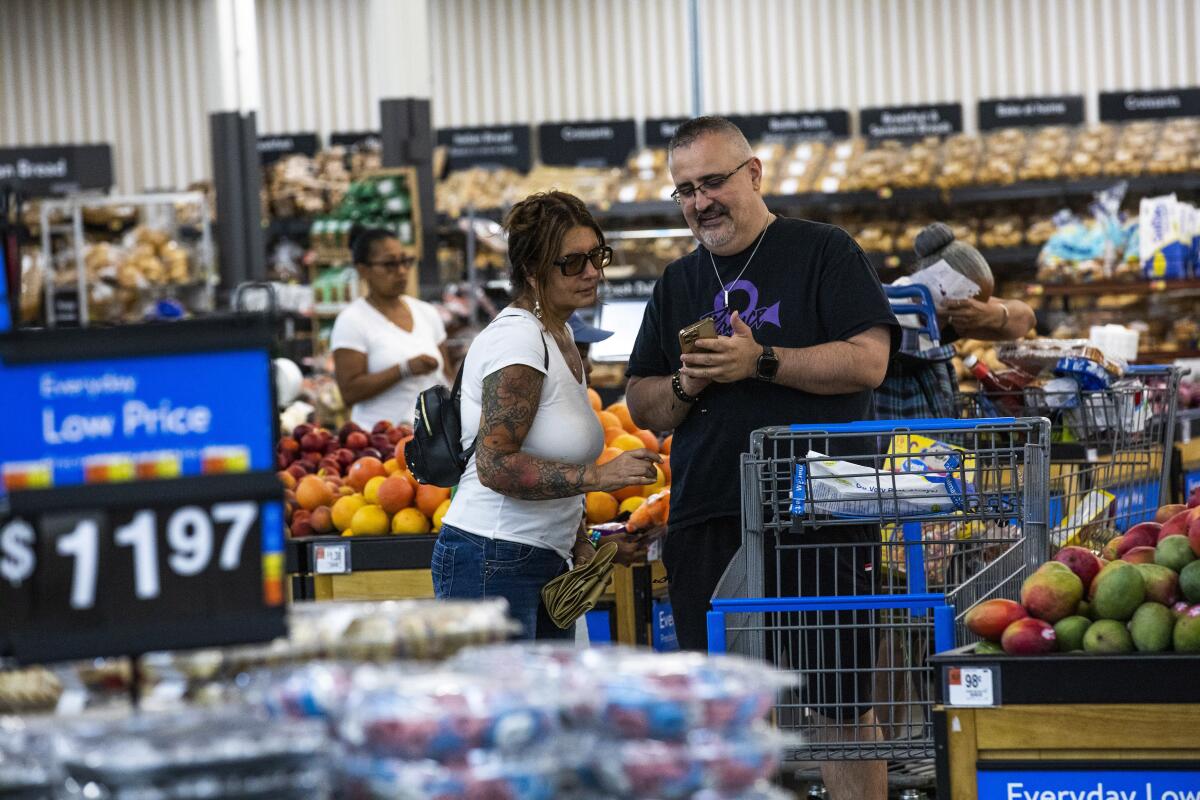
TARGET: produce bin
(1086,727)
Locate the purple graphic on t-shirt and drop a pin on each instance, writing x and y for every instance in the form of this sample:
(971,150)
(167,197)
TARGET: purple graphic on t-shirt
(753,316)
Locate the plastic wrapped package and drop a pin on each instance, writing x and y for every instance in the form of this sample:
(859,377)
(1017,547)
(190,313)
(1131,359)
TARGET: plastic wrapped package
(26,771)
(484,777)
(319,690)
(444,716)
(222,753)
(1037,355)
(724,767)
(420,629)
(645,695)
(637,694)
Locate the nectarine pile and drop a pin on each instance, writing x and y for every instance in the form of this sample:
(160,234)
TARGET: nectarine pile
(354,483)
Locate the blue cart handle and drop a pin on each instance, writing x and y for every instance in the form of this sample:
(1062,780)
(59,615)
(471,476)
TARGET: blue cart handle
(756,605)
(1148,369)
(903,425)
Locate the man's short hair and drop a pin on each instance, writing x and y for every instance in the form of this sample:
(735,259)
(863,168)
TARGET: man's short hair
(688,132)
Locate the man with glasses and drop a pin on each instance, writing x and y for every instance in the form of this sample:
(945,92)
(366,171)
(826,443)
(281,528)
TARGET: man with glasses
(804,334)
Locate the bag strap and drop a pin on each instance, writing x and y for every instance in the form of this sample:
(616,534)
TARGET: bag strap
(456,392)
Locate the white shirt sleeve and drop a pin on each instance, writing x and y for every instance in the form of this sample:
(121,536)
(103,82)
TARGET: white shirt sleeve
(515,340)
(349,332)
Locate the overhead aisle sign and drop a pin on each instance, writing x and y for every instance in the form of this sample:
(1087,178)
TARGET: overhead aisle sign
(599,143)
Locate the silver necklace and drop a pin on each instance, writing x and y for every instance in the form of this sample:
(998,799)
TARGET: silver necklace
(713,261)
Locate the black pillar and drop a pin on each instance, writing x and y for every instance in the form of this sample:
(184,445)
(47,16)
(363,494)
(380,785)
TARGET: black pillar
(237,179)
(407,133)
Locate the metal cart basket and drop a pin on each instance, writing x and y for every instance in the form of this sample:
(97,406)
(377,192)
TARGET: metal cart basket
(863,547)
(1110,453)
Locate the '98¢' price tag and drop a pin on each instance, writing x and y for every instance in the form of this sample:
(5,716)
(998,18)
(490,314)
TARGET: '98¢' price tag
(971,686)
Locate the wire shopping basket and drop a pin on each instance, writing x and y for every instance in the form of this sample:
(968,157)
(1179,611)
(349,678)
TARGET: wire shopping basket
(863,547)
(1110,452)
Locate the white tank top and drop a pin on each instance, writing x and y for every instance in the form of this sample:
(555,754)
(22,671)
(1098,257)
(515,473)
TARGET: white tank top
(565,429)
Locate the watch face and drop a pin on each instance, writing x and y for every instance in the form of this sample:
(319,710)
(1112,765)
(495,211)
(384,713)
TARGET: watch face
(768,365)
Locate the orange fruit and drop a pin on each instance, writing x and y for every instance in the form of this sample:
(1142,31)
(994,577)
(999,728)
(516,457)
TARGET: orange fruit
(287,478)
(369,521)
(609,420)
(321,520)
(630,505)
(608,455)
(410,520)
(601,507)
(648,439)
(371,490)
(594,399)
(363,470)
(395,494)
(344,510)
(665,447)
(430,497)
(659,484)
(627,441)
(621,412)
(629,491)
(312,492)
(440,514)
(412,481)
(391,466)
(612,433)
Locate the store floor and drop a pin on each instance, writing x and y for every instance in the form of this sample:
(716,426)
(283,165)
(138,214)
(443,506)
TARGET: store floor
(804,779)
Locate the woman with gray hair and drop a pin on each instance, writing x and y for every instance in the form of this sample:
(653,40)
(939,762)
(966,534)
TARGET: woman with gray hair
(920,382)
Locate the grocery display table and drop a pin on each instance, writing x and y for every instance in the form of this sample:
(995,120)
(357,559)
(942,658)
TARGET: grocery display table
(360,567)
(1084,727)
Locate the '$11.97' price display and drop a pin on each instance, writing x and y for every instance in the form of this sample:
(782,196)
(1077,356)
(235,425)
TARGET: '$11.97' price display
(74,563)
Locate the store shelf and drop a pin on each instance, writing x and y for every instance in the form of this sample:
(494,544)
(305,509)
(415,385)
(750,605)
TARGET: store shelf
(1108,287)
(328,310)
(1093,679)
(367,553)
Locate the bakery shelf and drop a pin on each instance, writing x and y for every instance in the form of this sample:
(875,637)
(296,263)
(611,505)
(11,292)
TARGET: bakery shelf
(1097,288)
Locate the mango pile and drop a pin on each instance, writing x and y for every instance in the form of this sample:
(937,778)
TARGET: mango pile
(1141,594)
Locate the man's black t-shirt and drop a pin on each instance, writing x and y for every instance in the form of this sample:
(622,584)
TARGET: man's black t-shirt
(808,284)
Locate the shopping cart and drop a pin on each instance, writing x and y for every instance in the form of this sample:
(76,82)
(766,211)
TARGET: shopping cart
(852,589)
(1110,452)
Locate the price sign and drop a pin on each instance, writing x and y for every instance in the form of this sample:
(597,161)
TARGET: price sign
(331,559)
(82,582)
(971,686)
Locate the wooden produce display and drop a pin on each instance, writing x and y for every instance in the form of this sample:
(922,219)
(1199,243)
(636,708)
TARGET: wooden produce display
(1070,725)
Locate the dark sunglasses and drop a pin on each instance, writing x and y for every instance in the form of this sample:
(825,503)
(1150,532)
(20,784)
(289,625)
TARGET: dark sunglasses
(707,186)
(573,263)
(394,264)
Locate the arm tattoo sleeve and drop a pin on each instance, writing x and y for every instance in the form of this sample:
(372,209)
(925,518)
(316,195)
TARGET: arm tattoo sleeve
(510,401)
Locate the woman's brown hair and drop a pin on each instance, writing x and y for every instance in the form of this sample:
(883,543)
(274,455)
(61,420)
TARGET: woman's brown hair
(536,227)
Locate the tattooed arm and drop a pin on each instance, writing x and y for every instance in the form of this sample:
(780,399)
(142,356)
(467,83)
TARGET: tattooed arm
(510,401)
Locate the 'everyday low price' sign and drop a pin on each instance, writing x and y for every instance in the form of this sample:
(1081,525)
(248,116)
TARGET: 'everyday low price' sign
(111,420)
(1089,784)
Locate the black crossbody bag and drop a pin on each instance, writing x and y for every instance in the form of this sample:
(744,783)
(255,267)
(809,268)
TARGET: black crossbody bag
(435,454)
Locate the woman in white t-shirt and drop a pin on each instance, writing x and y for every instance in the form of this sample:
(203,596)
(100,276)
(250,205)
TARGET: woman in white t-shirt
(518,512)
(387,348)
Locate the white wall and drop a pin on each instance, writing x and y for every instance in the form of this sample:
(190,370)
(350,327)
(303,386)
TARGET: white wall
(128,71)
(121,71)
(777,55)
(313,64)
(502,61)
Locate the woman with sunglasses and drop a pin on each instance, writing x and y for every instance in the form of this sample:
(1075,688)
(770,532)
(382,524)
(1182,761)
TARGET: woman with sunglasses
(387,348)
(518,513)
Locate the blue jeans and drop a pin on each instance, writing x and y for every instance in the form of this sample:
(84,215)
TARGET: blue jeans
(469,566)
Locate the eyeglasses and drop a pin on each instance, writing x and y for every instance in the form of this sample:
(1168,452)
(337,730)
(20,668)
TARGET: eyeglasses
(394,264)
(573,263)
(707,186)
